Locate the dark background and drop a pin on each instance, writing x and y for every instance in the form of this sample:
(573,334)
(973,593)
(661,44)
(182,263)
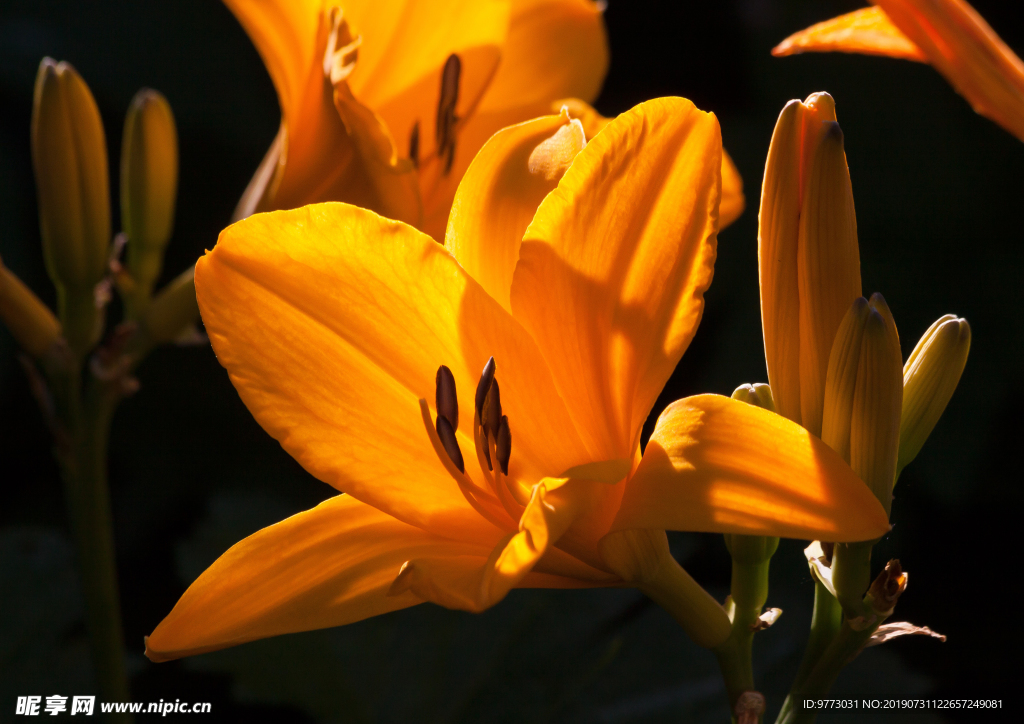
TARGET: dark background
(938,195)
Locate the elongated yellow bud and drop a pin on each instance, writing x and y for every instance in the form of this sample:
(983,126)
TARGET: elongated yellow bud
(69,155)
(808,255)
(877,401)
(841,381)
(149,183)
(930,376)
(864,395)
(31,322)
(173,309)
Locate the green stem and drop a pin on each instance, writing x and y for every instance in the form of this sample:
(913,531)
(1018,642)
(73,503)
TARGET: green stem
(851,575)
(844,647)
(825,622)
(751,556)
(833,643)
(87,417)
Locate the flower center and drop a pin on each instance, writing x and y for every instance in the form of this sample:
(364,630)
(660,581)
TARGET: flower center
(492,438)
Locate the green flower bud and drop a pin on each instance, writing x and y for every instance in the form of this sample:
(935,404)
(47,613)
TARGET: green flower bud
(30,321)
(69,155)
(930,376)
(173,309)
(149,181)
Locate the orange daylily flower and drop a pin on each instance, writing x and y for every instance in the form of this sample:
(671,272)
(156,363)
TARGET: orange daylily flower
(384,104)
(949,34)
(573,274)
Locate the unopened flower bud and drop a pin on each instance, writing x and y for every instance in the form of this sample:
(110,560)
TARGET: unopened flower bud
(149,182)
(809,260)
(864,394)
(757,394)
(69,155)
(31,322)
(173,309)
(930,376)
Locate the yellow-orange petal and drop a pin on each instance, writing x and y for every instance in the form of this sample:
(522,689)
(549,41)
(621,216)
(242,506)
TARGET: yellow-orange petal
(498,197)
(963,47)
(393,185)
(718,465)
(405,44)
(733,201)
(438,189)
(328,566)
(555,49)
(332,322)
(868,31)
(948,34)
(613,268)
(477,583)
(289,37)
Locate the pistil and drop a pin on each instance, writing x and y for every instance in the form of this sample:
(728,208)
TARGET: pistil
(342,47)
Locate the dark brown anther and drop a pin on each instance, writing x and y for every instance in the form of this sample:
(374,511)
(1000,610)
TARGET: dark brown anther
(483,387)
(446,432)
(414,145)
(446,118)
(492,410)
(447,401)
(503,444)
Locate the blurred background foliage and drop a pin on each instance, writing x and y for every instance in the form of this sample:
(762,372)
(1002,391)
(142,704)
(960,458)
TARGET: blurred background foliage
(938,192)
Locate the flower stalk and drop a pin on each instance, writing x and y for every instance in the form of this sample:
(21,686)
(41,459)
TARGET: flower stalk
(77,383)
(87,415)
(751,556)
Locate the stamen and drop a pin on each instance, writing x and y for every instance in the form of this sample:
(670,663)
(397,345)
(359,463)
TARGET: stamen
(482,500)
(414,145)
(491,418)
(483,386)
(446,118)
(447,400)
(503,444)
(446,432)
(342,48)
